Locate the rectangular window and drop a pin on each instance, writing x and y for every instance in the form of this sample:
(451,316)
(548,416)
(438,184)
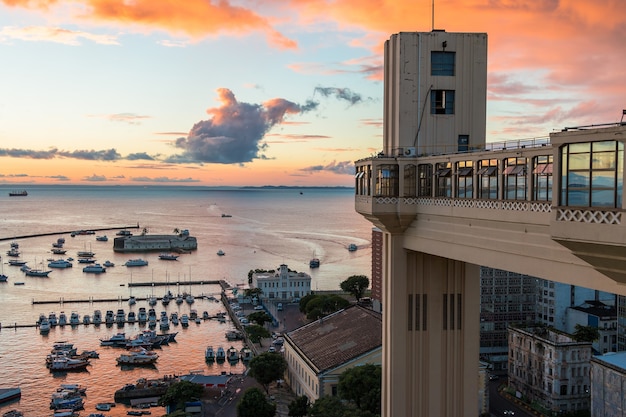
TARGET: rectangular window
(442,102)
(442,63)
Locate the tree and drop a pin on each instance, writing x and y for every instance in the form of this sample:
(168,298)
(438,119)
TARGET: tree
(254,404)
(322,305)
(253,292)
(179,393)
(256,333)
(355,285)
(304,301)
(327,406)
(299,407)
(267,367)
(361,385)
(260,317)
(586,333)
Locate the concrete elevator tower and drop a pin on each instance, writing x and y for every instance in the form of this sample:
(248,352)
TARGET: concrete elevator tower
(435,102)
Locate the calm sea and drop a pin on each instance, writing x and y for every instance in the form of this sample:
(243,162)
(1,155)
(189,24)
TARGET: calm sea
(268,227)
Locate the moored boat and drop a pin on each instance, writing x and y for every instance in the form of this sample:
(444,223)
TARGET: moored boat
(64,363)
(136,262)
(36,272)
(103,238)
(18,193)
(168,256)
(108,263)
(60,263)
(138,356)
(94,269)
(314,263)
(221,253)
(246,354)
(118,339)
(8,394)
(232,354)
(220,355)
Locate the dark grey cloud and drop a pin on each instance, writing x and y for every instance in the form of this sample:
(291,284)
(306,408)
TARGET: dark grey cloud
(235,130)
(340,168)
(344,94)
(162,180)
(139,156)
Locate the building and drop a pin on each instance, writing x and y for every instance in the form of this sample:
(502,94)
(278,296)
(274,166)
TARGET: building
(596,314)
(377,270)
(549,367)
(282,285)
(151,243)
(319,352)
(608,384)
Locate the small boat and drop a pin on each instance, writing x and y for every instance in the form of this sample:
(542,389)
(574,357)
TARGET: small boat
(132,300)
(18,283)
(13,252)
(86,261)
(85,254)
(220,355)
(179,299)
(136,262)
(232,354)
(36,272)
(189,299)
(314,263)
(103,238)
(62,318)
(246,354)
(220,253)
(138,356)
(86,319)
(132,317)
(174,318)
(109,317)
(60,263)
(141,316)
(184,320)
(97,317)
(64,363)
(118,339)
(108,264)
(58,251)
(8,394)
(120,317)
(74,318)
(18,193)
(103,407)
(94,269)
(44,326)
(13,413)
(352,247)
(226,215)
(52,319)
(16,262)
(209,354)
(164,323)
(168,256)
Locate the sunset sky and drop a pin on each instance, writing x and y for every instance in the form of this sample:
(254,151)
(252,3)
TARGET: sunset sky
(270,92)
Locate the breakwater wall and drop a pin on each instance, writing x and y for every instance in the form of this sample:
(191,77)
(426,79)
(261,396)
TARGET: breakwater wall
(67,232)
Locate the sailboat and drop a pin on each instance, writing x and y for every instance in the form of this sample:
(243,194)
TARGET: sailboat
(3,278)
(152,299)
(189,299)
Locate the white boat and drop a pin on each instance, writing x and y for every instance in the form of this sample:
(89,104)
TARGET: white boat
(44,326)
(52,319)
(60,263)
(164,323)
(138,356)
(118,339)
(103,407)
(152,300)
(220,355)
(184,320)
(86,261)
(86,319)
(168,256)
(174,318)
(220,253)
(209,354)
(85,254)
(94,269)
(108,264)
(246,354)
(74,318)
(189,299)
(16,262)
(179,299)
(120,317)
(62,318)
(58,251)
(97,317)
(136,262)
(232,354)
(109,317)
(64,363)
(132,300)
(141,316)
(132,317)
(102,238)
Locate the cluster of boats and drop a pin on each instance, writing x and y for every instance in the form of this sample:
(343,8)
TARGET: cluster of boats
(147,339)
(68,397)
(232,355)
(64,357)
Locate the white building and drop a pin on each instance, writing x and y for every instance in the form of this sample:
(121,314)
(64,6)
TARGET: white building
(283,284)
(549,367)
(608,384)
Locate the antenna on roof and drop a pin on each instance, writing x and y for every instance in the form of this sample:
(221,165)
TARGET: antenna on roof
(433,17)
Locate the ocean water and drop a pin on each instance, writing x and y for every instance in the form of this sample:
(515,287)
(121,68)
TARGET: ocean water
(268,227)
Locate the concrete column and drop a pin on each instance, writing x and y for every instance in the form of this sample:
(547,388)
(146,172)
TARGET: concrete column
(430,334)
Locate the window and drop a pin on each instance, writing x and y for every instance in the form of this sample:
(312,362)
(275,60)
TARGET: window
(515,179)
(488,179)
(592,174)
(424,181)
(542,178)
(442,63)
(464,184)
(387,180)
(410,181)
(444,180)
(442,102)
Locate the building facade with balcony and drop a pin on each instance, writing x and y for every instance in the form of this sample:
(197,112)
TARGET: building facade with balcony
(282,284)
(550,367)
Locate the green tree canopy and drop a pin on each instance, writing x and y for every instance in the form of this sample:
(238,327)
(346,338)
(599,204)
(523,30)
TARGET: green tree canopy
(355,285)
(179,393)
(322,305)
(361,385)
(252,292)
(586,333)
(267,367)
(327,406)
(260,317)
(299,407)
(254,404)
(256,333)
(304,300)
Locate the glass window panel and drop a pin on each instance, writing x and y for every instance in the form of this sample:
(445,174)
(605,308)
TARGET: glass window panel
(442,63)
(578,179)
(603,160)
(578,197)
(604,146)
(580,147)
(603,179)
(579,161)
(602,198)
(463,172)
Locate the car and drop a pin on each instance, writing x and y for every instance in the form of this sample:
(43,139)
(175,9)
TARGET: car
(509,413)
(493,377)
(279,307)
(272,349)
(258,308)
(279,341)
(296,300)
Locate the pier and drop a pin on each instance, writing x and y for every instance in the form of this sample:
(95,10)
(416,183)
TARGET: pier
(69,232)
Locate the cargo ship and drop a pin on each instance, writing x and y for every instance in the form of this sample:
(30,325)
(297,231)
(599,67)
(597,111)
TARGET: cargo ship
(181,242)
